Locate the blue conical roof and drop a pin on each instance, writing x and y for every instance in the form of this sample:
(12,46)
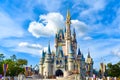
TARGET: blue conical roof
(43,54)
(79,52)
(88,54)
(83,57)
(49,51)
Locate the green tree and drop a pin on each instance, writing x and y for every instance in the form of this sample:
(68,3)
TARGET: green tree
(1,62)
(15,66)
(13,57)
(113,69)
(2,57)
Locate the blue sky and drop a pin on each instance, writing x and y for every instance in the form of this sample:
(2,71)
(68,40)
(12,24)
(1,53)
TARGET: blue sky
(27,26)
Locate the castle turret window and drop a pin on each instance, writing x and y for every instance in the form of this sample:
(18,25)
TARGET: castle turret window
(57,62)
(60,61)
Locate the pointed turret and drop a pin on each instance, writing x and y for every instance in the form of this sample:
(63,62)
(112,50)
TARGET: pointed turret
(83,57)
(49,51)
(79,52)
(89,64)
(74,35)
(43,54)
(68,14)
(68,18)
(68,22)
(88,54)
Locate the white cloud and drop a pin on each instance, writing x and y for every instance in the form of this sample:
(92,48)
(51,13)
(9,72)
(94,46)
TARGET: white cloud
(50,23)
(87,38)
(26,44)
(80,27)
(33,49)
(47,25)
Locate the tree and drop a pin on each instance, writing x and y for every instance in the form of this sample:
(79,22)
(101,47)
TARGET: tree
(1,57)
(21,62)
(113,69)
(14,66)
(13,57)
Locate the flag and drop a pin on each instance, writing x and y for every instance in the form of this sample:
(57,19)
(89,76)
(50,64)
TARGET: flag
(26,68)
(5,67)
(0,76)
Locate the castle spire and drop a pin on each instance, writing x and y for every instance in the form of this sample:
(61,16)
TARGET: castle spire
(49,51)
(68,17)
(43,54)
(68,14)
(79,52)
(89,54)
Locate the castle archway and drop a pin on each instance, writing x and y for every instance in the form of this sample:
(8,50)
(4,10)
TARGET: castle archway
(59,72)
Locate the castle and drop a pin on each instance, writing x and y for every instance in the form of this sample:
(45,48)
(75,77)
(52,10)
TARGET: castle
(67,58)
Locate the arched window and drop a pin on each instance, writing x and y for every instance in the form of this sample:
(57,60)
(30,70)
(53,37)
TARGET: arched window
(60,36)
(60,61)
(57,62)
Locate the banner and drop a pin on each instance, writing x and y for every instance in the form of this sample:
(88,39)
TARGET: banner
(0,76)
(5,67)
(26,68)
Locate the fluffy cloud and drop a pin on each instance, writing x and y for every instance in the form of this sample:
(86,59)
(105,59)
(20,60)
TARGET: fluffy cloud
(50,23)
(26,44)
(80,27)
(33,49)
(47,25)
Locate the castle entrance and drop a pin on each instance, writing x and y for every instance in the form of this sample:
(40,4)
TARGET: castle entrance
(59,72)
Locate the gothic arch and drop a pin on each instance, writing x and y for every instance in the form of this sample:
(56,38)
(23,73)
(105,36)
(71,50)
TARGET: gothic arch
(59,72)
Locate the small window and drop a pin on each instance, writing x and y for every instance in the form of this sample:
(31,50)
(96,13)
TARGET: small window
(60,61)
(57,62)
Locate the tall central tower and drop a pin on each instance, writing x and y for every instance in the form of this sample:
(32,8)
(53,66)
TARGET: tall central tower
(68,32)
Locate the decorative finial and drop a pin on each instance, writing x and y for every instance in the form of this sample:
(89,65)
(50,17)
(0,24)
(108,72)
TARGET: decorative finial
(68,14)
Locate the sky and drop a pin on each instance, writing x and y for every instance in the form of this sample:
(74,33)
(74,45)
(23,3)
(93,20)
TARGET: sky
(26,27)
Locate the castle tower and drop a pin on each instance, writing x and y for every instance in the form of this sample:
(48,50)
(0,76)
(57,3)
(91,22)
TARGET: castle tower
(42,63)
(68,32)
(79,56)
(89,65)
(71,59)
(102,69)
(74,42)
(82,67)
(48,68)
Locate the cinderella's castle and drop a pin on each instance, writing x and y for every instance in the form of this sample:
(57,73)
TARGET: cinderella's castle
(66,59)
